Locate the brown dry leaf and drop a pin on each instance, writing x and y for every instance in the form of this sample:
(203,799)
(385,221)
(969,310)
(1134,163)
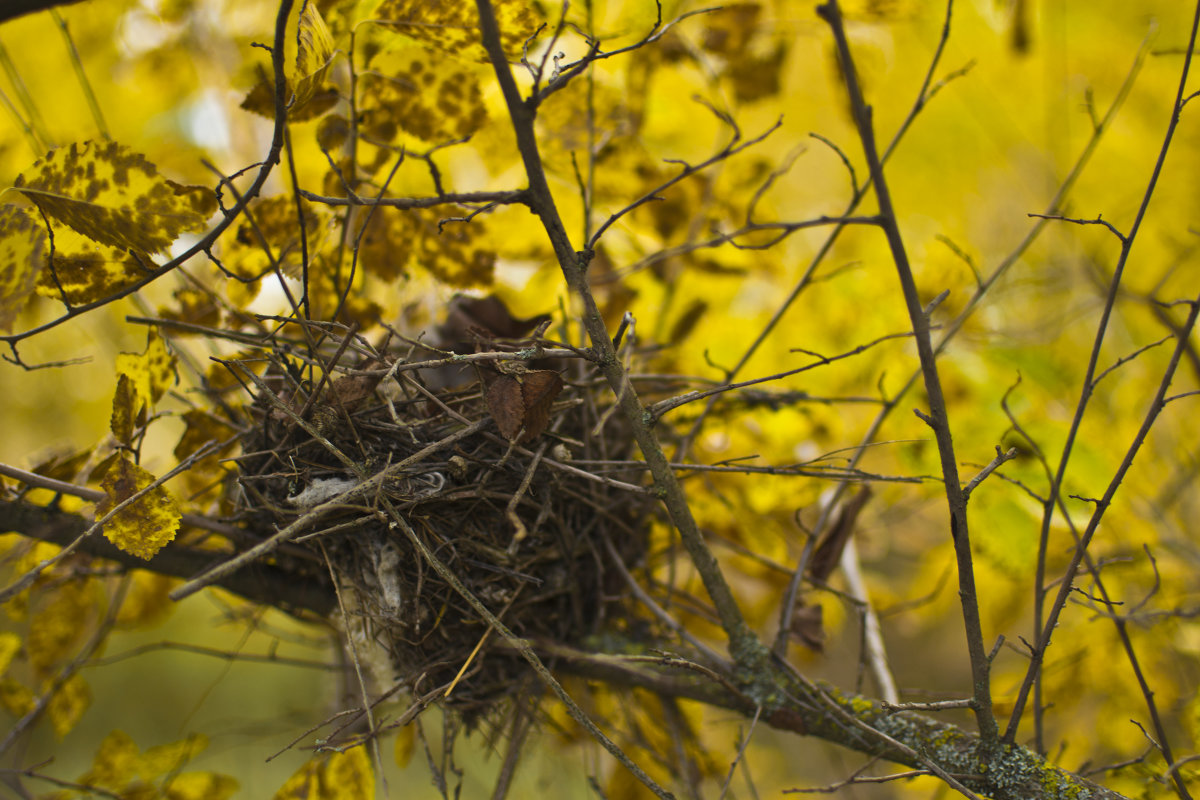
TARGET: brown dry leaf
(506,403)
(349,392)
(469,319)
(522,402)
(828,552)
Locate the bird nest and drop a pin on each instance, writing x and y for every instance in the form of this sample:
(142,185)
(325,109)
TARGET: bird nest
(413,488)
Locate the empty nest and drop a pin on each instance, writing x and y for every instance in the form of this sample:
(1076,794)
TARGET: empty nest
(529,524)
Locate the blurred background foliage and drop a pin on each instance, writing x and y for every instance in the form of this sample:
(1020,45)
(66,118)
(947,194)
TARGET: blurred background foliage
(1024,83)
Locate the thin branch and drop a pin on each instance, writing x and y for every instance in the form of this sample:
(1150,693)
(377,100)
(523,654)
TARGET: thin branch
(744,644)
(938,418)
(1051,621)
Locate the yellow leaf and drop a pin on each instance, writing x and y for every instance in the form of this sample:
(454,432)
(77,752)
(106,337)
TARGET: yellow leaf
(396,240)
(452,26)
(83,271)
(15,698)
(193,306)
(57,626)
(405,91)
(114,196)
(261,100)
(22,248)
(406,741)
(275,226)
(115,763)
(125,410)
(166,758)
(336,776)
(150,372)
(144,526)
(10,645)
(146,602)
(200,786)
(67,705)
(314,52)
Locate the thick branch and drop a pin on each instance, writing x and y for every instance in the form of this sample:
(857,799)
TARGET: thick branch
(11,9)
(907,738)
(268,584)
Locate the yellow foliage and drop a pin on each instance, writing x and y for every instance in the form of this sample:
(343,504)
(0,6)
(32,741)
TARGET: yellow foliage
(165,758)
(405,745)
(314,53)
(125,410)
(121,767)
(333,776)
(57,626)
(68,704)
(16,698)
(452,26)
(146,525)
(199,786)
(146,602)
(22,244)
(407,90)
(152,371)
(115,763)
(10,644)
(115,197)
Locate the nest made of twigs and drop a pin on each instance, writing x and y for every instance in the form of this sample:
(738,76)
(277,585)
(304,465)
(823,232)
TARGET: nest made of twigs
(528,524)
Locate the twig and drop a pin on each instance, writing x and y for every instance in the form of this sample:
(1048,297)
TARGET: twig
(938,418)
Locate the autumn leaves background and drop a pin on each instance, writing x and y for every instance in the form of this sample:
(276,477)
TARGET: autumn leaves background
(1000,129)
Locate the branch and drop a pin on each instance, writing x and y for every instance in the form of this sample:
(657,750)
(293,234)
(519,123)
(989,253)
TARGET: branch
(853,721)
(11,9)
(937,419)
(267,584)
(744,645)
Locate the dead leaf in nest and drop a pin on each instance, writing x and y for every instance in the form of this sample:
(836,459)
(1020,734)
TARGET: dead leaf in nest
(349,392)
(522,402)
(470,319)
